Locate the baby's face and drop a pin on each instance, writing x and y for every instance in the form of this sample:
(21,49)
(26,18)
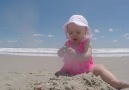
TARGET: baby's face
(76,33)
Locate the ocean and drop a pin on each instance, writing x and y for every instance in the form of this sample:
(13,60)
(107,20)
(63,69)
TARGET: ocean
(99,52)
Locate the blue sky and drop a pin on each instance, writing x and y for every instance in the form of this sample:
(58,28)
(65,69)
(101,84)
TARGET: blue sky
(39,23)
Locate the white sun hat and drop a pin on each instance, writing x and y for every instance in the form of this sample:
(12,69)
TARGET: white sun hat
(80,21)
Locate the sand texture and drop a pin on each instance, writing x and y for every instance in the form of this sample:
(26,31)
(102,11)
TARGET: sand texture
(27,72)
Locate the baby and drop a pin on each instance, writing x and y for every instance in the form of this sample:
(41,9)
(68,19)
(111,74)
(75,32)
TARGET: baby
(77,53)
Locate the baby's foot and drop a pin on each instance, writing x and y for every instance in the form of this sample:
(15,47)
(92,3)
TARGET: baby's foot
(124,84)
(39,87)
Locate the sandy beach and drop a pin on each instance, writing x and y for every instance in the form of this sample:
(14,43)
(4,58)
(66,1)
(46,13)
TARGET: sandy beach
(26,72)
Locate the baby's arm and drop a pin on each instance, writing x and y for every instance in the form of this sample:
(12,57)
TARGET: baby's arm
(87,52)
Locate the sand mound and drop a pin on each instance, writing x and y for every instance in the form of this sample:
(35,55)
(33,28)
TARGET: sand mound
(30,80)
(78,82)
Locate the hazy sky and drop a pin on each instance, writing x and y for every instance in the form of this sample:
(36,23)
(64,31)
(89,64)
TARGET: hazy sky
(39,23)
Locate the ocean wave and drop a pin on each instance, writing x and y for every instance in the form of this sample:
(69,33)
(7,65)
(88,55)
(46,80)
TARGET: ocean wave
(101,52)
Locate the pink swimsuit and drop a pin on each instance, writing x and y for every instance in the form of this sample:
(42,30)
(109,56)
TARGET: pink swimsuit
(77,66)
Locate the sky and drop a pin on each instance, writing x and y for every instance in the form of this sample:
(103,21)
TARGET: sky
(39,23)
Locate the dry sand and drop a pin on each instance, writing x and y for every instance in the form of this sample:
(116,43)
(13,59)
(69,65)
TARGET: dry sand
(26,72)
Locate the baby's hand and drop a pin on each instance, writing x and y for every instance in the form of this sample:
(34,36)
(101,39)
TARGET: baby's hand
(71,52)
(62,51)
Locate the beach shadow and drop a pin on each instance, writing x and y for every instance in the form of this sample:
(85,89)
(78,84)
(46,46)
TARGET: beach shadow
(61,73)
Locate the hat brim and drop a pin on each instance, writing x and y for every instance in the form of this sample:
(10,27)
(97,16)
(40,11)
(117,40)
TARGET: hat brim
(77,23)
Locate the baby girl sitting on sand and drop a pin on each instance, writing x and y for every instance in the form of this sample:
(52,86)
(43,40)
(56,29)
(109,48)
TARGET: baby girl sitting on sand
(77,53)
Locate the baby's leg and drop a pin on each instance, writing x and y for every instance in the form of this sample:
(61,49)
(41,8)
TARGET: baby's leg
(108,77)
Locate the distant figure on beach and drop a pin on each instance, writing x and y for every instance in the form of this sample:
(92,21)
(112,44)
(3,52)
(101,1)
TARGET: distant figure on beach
(77,53)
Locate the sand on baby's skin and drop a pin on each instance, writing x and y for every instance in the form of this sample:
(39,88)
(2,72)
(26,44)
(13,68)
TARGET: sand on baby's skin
(26,72)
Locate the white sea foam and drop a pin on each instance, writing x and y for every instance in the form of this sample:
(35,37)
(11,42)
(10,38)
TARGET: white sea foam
(101,52)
